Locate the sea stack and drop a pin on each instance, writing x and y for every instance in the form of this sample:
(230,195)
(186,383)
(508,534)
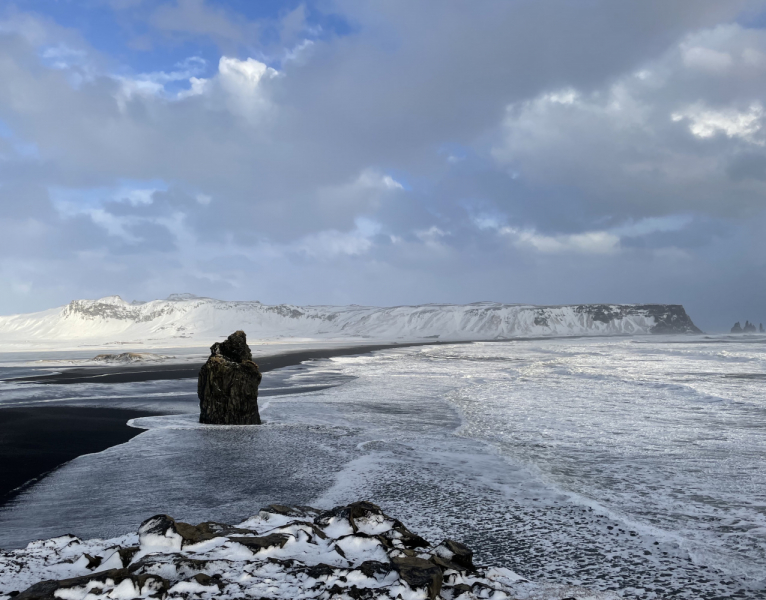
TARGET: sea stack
(228,384)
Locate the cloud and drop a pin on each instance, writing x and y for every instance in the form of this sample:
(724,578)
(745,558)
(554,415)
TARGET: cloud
(591,242)
(242,81)
(705,123)
(619,149)
(706,59)
(520,147)
(328,244)
(196,17)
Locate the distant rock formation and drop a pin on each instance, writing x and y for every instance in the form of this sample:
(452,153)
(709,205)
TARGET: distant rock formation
(748,328)
(760,328)
(129,357)
(228,384)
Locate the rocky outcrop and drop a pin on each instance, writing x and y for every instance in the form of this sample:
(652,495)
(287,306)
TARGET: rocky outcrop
(350,552)
(228,384)
(130,357)
(760,328)
(748,328)
(668,318)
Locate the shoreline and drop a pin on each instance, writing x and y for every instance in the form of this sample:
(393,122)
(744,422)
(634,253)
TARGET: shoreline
(133,373)
(36,440)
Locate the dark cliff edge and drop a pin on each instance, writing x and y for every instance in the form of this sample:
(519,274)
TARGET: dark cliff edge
(668,318)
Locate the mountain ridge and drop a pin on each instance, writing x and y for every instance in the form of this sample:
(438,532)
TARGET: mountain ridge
(184,319)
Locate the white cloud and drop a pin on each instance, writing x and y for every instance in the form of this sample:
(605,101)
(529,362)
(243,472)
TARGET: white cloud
(591,242)
(705,122)
(300,52)
(367,191)
(706,59)
(617,148)
(372,179)
(391,183)
(568,96)
(652,225)
(242,76)
(62,56)
(197,87)
(605,241)
(242,82)
(148,85)
(332,243)
(431,235)
(71,202)
(136,196)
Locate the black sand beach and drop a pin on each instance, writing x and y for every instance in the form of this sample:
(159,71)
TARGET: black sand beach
(135,373)
(35,440)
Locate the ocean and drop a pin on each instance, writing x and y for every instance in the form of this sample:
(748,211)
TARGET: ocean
(631,464)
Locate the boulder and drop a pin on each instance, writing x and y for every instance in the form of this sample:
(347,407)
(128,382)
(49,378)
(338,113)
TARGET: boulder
(419,574)
(457,556)
(228,384)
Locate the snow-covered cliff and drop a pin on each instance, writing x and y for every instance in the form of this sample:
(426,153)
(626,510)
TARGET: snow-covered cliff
(185,320)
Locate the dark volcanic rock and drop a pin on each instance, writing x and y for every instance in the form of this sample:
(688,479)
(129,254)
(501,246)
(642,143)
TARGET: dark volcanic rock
(749,327)
(228,384)
(668,318)
(456,554)
(284,552)
(234,348)
(419,573)
(737,328)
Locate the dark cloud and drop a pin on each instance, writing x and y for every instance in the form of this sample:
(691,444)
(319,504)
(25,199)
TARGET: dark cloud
(747,165)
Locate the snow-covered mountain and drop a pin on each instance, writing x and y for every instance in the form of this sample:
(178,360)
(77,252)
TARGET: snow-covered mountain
(186,320)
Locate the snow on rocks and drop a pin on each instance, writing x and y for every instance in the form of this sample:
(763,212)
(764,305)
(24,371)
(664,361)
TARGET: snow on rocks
(353,552)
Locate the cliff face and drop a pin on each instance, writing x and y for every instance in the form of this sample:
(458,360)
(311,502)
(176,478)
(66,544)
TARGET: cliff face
(192,321)
(669,318)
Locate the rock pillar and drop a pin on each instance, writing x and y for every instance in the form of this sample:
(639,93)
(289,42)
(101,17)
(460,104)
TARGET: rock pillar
(228,384)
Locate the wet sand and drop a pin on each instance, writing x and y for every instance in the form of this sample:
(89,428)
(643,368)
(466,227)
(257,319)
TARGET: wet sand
(36,440)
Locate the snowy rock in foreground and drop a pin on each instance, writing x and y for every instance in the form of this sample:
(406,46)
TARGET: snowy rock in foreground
(353,552)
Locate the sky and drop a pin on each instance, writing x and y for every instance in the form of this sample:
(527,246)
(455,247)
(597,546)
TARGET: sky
(385,152)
